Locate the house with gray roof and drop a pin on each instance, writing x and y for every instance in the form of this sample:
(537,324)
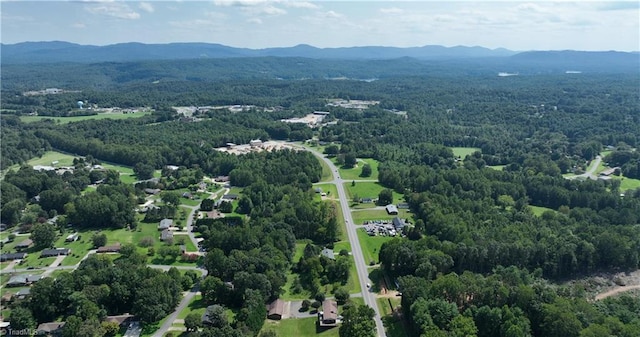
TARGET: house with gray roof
(328,253)
(391,209)
(165,224)
(55,252)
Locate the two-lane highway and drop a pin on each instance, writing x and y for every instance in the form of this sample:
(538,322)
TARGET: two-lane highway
(356,250)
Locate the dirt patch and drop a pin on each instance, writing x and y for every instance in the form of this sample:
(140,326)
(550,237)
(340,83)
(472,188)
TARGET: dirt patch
(603,285)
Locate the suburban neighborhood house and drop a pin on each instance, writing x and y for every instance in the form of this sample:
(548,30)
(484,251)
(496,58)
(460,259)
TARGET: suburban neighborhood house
(109,249)
(50,328)
(328,317)
(166,235)
(328,253)
(55,252)
(275,309)
(165,224)
(25,244)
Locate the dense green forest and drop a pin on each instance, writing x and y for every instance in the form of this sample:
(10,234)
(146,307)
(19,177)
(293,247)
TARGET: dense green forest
(477,261)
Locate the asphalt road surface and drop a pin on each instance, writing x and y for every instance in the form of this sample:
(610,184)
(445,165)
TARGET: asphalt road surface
(356,250)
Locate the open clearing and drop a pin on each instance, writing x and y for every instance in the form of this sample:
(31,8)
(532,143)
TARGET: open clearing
(538,210)
(65,120)
(371,245)
(354,173)
(359,217)
(463,151)
(368,190)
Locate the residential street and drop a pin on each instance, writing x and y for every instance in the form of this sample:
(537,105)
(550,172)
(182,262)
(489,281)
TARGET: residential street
(361,266)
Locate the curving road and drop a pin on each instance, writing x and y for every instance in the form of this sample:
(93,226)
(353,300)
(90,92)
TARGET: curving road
(356,250)
(592,168)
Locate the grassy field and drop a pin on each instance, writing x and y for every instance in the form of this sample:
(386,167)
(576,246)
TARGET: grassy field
(51,156)
(65,120)
(537,210)
(354,173)
(300,327)
(497,167)
(462,152)
(368,190)
(79,248)
(330,189)
(627,183)
(197,304)
(393,325)
(371,245)
(359,217)
(147,230)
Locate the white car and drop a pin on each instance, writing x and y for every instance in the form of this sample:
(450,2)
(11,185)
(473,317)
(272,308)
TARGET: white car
(368,285)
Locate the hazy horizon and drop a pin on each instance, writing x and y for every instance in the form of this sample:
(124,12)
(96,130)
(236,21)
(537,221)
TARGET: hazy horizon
(259,24)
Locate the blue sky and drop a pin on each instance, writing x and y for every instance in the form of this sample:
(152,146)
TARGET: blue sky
(533,25)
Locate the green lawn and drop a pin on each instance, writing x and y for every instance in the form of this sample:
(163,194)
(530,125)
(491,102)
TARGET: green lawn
(537,210)
(371,245)
(300,244)
(197,304)
(51,156)
(627,183)
(394,326)
(330,189)
(79,248)
(462,152)
(65,120)
(497,167)
(368,190)
(360,216)
(354,173)
(299,327)
(147,230)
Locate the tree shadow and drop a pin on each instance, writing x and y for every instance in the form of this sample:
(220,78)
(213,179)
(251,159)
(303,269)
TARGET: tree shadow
(377,277)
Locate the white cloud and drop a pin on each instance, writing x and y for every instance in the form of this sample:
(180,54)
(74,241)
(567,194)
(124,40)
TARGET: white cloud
(116,9)
(271,10)
(256,21)
(392,10)
(79,25)
(147,7)
(300,4)
(332,15)
(239,3)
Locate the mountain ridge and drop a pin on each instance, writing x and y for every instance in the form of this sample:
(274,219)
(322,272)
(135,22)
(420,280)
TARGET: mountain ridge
(61,51)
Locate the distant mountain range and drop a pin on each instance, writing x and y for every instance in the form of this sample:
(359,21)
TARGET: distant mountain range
(56,51)
(435,58)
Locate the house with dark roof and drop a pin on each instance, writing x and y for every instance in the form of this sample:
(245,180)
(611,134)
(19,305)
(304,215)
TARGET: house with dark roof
(402,205)
(366,200)
(329,315)
(230,197)
(24,244)
(55,252)
(275,309)
(22,280)
(12,256)
(398,223)
(328,253)
(50,329)
(391,209)
(165,224)
(166,235)
(23,293)
(119,319)
(152,191)
(109,249)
